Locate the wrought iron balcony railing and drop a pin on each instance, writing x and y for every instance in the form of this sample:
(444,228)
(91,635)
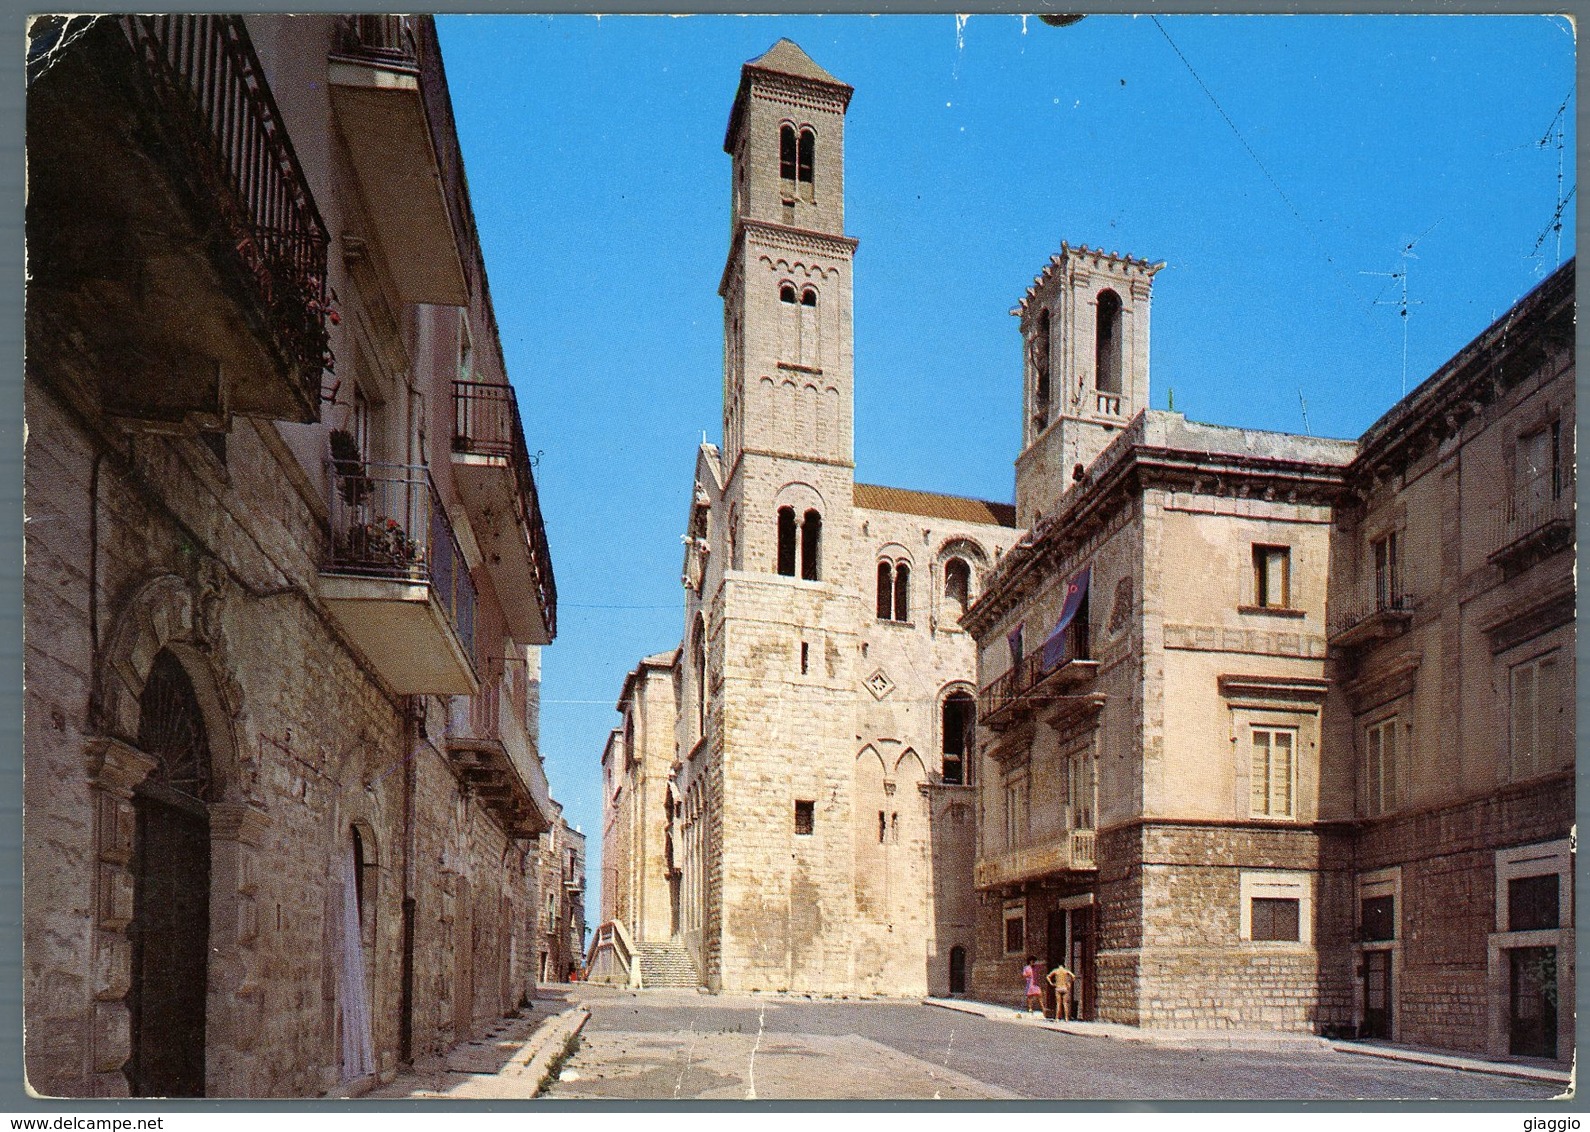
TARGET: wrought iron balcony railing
(486,422)
(1534,526)
(205,75)
(388,522)
(1358,618)
(1020,686)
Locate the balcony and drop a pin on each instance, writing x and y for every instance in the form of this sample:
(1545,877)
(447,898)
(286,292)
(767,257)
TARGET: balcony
(491,465)
(1074,851)
(1108,404)
(491,750)
(390,96)
(1531,529)
(1364,619)
(171,231)
(396,581)
(1042,682)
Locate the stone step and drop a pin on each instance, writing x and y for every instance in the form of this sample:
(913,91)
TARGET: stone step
(667,965)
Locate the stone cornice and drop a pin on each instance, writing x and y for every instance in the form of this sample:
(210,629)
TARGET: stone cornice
(1122,473)
(784,237)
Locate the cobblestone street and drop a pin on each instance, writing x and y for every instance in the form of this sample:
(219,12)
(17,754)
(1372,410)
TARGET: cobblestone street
(682,1045)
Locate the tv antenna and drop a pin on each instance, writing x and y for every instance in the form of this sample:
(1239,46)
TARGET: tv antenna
(1403,304)
(1554,136)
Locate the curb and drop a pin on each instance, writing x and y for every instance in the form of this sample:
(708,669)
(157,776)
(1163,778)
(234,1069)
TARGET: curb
(533,1063)
(1277,1043)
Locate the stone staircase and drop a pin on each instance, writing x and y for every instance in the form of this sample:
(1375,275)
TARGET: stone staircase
(667,965)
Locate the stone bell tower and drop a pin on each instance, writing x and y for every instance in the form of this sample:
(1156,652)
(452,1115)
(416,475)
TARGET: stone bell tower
(1084,322)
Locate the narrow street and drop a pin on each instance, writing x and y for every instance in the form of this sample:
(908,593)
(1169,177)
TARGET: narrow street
(683,1045)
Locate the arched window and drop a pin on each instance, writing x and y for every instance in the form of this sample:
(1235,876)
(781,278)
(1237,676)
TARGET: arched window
(786,541)
(958,720)
(805,161)
(885,590)
(811,545)
(786,158)
(957,586)
(698,667)
(1040,370)
(1107,344)
(902,592)
(894,590)
(786,293)
(808,352)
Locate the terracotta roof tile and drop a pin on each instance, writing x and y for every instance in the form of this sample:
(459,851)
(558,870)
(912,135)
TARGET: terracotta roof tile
(907,502)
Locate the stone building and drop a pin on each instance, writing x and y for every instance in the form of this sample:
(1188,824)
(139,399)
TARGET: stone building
(286,571)
(789,799)
(1450,716)
(559,903)
(1211,769)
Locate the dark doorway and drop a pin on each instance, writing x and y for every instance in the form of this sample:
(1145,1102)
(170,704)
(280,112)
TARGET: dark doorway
(1377,995)
(1532,1001)
(957,970)
(170,929)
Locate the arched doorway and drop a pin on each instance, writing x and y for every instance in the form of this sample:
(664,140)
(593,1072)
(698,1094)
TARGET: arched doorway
(957,970)
(170,929)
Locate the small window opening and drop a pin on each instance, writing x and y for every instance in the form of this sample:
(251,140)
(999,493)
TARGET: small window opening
(1039,351)
(885,590)
(805,161)
(957,586)
(1107,343)
(1276,918)
(811,545)
(1272,568)
(806,652)
(902,592)
(1377,918)
(1532,903)
(786,293)
(958,723)
(786,158)
(786,541)
(883,826)
(894,827)
(805,817)
(808,298)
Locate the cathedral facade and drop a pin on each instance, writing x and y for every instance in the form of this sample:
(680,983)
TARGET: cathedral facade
(799,813)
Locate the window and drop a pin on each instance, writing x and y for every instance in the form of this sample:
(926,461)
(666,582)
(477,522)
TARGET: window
(1381,768)
(1532,903)
(1388,573)
(1272,569)
(1038,351)
(807,349)
(811,545)
(883,827)
(1536,703)
(957,586)
(805,160)
(1537,475)
(1275,918)
(885,591)
(1013,639)
(805,818)
(698,666)
(1015,928)
(958,720)
(786,541)
(894,591)
(1107,343)
(1272,772)
(786,158)
(1015,811)
(1276,907)
(786,293)
(806,658)
(1081,788)
(902,592)
(1377,918)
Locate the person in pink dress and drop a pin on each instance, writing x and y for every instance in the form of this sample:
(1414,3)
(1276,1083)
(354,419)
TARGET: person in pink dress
(1031,973)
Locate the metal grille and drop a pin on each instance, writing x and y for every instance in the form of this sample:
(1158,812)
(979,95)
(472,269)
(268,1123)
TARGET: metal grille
(171,728)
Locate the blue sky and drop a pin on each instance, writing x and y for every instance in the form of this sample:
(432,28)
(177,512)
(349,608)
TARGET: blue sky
(1276,163)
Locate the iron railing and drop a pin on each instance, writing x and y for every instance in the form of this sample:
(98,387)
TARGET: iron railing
(387,521)
(1527,518)
(206,77)
(486,422)
(1021,679)
(1352,610)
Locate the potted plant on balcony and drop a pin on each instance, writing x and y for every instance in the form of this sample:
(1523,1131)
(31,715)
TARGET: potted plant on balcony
(383,543)
(348,463)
